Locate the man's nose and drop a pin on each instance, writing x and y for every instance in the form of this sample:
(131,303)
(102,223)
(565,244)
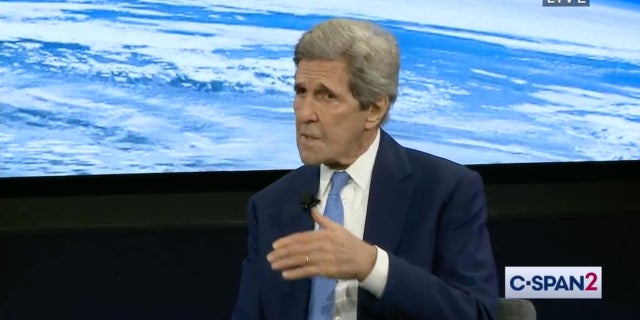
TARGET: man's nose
(305,109)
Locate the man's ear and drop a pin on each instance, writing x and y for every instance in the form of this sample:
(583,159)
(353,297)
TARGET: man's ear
(377,111)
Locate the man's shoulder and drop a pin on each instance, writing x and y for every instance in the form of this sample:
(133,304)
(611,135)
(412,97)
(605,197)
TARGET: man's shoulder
(425,168)
(422,162)
(287,183)
(431,166)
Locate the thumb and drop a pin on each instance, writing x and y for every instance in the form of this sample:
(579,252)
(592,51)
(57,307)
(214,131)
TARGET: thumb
(321,220)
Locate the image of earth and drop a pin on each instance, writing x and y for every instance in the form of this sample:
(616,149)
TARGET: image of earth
(109,87)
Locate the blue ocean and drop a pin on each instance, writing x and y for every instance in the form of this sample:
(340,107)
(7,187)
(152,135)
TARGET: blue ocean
(107,87)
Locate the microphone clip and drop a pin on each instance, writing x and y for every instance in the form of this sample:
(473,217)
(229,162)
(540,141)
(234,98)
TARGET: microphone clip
(308,201)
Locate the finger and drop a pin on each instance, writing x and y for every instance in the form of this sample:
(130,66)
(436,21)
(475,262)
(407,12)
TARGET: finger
(318,265)
(303,272)
(290,262)
(299,237)
(297,249)
(322,221)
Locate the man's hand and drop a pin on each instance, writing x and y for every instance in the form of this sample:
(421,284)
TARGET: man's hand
(332,252)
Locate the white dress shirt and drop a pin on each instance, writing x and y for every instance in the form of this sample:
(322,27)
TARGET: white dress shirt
(355,197)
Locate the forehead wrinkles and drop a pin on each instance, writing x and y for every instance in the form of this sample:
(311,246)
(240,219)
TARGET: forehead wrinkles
(330,75)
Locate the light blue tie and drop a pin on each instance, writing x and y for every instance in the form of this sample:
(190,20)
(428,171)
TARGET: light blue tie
(323,289)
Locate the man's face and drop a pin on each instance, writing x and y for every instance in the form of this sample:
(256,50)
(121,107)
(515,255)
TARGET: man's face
(330,126)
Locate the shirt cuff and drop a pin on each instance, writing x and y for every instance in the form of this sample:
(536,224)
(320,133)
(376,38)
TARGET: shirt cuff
(377,278)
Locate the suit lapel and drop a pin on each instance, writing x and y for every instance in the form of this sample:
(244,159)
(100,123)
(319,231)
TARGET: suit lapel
(298,219)
(389,195)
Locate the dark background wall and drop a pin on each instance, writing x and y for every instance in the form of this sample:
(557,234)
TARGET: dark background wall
(169,246)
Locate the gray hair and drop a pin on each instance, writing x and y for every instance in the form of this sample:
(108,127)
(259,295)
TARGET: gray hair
(371,53)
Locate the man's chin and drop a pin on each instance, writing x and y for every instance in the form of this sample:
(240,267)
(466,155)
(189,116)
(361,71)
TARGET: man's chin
(309,159)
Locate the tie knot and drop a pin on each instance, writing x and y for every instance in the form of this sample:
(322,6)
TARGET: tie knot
(339,179)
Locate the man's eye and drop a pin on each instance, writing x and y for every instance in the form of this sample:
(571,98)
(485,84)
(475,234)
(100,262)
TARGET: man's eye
(328,96)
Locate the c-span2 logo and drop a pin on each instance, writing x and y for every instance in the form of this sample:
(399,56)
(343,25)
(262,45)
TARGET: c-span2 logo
(553,282)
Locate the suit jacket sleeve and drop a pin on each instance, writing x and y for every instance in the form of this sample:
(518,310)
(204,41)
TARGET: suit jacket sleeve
(248,304)
(463,281)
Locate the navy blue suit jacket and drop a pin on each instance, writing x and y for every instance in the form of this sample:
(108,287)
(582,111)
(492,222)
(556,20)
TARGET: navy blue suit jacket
(428,213)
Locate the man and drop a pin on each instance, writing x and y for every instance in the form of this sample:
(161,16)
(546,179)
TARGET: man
(397,233)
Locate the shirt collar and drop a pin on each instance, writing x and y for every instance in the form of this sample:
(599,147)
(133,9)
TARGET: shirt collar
(360,170)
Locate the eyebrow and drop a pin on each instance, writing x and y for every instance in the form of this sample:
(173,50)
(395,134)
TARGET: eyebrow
(320,89)
(324,89)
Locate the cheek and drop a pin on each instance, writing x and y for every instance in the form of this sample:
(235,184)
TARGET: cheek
(338,139)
